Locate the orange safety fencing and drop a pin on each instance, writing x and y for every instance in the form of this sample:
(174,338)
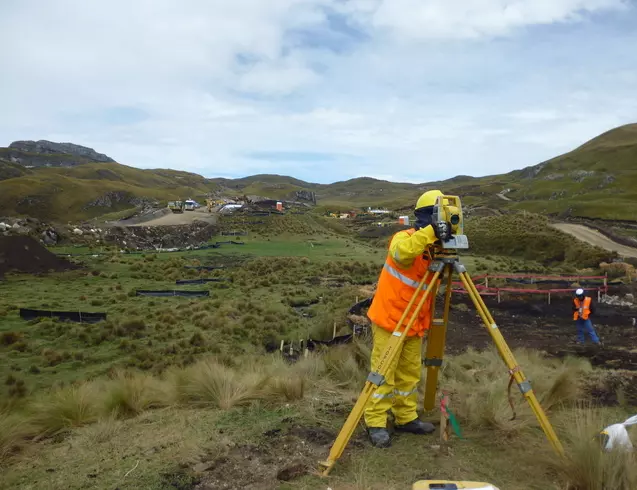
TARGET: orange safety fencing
(482,284)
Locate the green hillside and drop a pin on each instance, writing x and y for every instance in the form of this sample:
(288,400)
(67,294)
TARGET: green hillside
(94,189)
(596,180)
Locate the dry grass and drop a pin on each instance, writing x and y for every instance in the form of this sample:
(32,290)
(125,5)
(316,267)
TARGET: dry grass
(209,382)
(127,394)
(14,428)
(64,408)
(478,383)
(586,466)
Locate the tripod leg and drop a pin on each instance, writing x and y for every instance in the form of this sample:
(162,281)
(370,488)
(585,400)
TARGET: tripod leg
(377,378)
(436,345)
(509,359)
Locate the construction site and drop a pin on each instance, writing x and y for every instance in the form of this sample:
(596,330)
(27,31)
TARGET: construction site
(225,345)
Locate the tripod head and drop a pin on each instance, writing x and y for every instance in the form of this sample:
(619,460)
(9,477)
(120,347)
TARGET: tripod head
(448,220)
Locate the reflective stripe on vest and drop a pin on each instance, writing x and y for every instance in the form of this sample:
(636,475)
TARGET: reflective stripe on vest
(403,278)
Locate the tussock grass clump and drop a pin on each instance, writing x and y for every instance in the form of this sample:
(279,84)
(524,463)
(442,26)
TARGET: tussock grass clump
(341,366)
(586,466)
(478,383)
(14,428)
(129,394)
(66,407)
(209,382)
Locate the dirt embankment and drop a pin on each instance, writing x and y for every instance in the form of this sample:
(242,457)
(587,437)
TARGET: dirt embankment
(594,237)
(25,254)
(158,237)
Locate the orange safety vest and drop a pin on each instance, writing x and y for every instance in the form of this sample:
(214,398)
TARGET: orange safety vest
(583,310)
(396,286)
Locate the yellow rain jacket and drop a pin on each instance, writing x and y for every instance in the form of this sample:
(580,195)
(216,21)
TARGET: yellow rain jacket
(400,390)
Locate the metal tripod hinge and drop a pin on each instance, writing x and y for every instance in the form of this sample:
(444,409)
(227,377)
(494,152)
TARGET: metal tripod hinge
(376,379)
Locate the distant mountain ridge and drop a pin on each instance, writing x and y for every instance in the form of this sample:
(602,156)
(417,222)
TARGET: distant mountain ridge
(597,180)
(43,153)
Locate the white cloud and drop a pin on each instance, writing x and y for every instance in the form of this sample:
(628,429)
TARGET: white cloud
(478,18)
(418,90)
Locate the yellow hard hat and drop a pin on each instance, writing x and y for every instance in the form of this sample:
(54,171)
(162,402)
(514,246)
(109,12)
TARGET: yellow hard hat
(428,199)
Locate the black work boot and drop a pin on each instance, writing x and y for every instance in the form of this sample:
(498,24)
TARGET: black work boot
(416,426)
(379,436)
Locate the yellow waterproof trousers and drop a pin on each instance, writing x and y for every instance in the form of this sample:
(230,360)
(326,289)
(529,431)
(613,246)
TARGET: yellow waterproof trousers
(400,390)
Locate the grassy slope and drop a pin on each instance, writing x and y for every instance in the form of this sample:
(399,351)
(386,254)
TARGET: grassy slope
(557,186)
(607,193)
(62,193)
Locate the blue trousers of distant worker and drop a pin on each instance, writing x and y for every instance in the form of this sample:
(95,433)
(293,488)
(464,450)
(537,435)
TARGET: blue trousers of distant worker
(586,326)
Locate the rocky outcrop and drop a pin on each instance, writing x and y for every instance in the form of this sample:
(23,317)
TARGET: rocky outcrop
(115,198)
(44,153)
(306,196)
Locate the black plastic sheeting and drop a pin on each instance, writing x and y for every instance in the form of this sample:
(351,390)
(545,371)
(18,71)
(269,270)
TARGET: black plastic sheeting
(144,292)
(74,316)
(342,339)
(204,267)
(201,281)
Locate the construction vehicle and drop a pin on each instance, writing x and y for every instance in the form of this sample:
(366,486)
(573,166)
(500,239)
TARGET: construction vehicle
(447,219)
(176,206)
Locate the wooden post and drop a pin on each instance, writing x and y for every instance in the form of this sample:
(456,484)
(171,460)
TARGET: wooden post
(282,344)
(291,347)
(549,295)
(334,332)
(599,295)
(486,280)
(498,295)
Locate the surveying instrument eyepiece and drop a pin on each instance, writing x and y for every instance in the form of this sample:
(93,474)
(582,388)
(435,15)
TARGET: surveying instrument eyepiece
(448,223)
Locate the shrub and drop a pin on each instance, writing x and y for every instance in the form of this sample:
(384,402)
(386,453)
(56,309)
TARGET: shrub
(9,338)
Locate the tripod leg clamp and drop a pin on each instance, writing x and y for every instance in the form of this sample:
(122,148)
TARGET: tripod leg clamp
(525,387)
(432,362)
(376,379)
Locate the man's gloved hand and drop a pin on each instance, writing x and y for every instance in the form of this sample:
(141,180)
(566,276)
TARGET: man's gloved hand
(442,230)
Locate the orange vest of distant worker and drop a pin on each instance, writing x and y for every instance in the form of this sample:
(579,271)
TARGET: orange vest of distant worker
(585,308)
(396,286)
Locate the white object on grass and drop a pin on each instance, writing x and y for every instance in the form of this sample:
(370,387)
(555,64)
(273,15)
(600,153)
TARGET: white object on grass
(617,435)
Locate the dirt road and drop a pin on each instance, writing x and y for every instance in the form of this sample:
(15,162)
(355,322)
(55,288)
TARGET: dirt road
(184,218)
(594,237)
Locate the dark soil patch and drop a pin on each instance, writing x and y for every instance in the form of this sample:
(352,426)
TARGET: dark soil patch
(281,455)
(550,329)
(27,255)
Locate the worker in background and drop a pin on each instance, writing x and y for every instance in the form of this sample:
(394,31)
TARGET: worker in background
(582,310)
(405,265)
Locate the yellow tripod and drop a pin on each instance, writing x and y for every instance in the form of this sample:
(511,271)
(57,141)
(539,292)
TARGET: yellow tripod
(446,261)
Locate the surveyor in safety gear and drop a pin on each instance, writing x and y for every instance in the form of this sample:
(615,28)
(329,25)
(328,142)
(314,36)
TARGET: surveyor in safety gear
(583,308)
(407,261)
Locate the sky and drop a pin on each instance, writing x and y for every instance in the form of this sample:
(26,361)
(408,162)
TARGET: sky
(321,90)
